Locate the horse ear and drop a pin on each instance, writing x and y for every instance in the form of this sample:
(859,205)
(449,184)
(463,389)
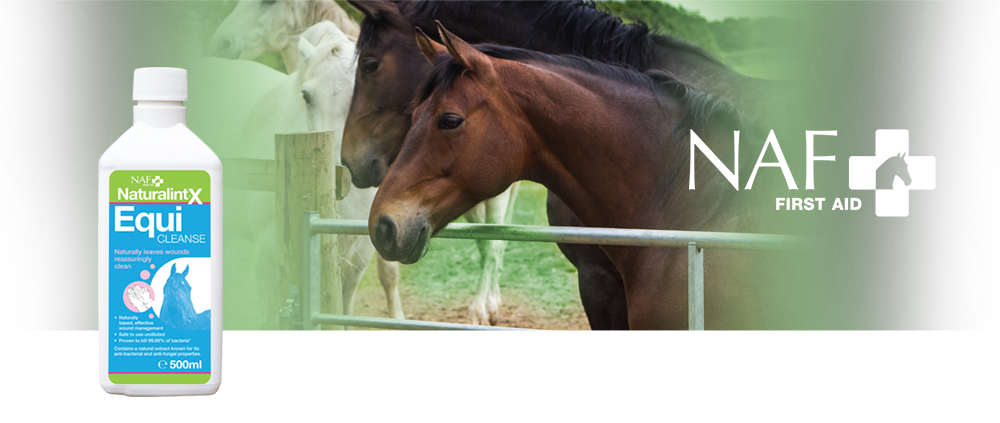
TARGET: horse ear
(378,10)
(173,269)
(429,47)
(185,273)
(466,55)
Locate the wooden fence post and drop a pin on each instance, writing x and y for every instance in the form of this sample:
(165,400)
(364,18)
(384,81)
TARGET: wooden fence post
(304,181)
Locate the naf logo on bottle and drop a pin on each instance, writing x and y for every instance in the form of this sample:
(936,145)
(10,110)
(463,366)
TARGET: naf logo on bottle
(147,181)
(892,172)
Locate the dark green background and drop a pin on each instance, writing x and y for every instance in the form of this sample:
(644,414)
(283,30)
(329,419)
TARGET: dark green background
(922,66)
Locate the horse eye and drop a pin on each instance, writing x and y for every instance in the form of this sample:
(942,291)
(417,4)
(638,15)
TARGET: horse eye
(369,66)
(450,121)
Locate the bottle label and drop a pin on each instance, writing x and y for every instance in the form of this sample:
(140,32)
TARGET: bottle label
(160,277)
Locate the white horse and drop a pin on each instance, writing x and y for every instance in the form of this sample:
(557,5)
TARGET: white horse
(316,98)
(251,102)
(326,81)
(259,26)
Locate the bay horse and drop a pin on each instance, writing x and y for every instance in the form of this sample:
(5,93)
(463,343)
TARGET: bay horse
(604,139)
(380,118)
(390,68)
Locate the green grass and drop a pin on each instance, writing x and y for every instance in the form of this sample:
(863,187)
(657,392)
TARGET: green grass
(536,275)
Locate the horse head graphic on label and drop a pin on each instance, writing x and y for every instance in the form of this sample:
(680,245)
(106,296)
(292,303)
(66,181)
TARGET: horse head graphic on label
(181,302)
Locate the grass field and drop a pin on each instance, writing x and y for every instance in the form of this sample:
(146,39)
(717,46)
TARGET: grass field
(539,286)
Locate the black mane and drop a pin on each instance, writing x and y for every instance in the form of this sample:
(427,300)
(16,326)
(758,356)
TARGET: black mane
(700,108)
(590,32)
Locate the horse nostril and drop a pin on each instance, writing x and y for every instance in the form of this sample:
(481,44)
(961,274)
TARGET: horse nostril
(385,232)
(306,97)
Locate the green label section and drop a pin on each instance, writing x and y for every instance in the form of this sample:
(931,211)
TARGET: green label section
(159,378)
(160,186)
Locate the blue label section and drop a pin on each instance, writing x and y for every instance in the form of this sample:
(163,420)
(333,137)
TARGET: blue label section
(160,288)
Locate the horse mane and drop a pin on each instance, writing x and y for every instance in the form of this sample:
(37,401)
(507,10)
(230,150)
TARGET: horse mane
(329,10)
(590,31)
(700,108)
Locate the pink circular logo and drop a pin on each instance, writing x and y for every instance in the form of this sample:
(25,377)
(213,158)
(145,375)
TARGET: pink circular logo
(138,296)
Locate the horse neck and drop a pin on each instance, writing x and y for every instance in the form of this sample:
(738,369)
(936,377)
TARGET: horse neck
(291,57)
(600,146)
(699,70)
(508,23)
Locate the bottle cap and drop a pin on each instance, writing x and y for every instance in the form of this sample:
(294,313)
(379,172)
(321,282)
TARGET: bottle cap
(160,84)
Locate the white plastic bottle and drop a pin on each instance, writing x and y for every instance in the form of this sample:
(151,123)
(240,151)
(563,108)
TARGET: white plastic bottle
(160,249)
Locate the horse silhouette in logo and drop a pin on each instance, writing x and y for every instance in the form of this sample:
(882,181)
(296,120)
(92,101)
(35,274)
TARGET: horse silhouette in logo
(177,310)
(890,169)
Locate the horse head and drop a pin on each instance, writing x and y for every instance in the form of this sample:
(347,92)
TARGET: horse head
(327,70)
(253,28)
(177,284)
(465,146)
(390,67)
(258,26)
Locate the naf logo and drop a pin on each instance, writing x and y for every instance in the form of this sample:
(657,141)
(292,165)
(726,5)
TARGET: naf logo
(147,181)
(892,172)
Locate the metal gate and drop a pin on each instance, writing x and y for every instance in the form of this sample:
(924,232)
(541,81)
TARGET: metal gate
(695,242)
(304,180)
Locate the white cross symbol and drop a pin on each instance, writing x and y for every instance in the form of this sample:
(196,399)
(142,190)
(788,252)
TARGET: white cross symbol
(875,172)
(157,181)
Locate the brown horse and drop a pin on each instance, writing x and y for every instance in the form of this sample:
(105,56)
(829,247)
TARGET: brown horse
(390,67)
(389,72)
(604,139)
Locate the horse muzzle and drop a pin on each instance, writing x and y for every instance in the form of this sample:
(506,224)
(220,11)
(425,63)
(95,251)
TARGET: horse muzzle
(367,174)
(405,241)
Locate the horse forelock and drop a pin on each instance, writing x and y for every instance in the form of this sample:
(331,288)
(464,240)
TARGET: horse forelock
(442,76)
(368,33)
